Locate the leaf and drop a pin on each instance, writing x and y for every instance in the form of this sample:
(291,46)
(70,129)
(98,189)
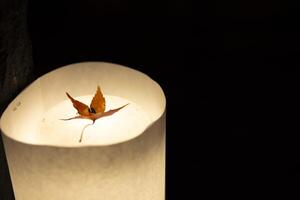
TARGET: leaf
(96,110)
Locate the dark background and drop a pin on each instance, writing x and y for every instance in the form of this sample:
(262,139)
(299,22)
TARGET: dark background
(229,70)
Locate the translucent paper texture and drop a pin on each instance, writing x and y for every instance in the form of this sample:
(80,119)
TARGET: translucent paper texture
(120,157)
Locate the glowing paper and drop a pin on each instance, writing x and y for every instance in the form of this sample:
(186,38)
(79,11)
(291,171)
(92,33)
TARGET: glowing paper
(120,157)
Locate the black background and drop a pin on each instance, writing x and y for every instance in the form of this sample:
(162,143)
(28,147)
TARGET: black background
(229,70)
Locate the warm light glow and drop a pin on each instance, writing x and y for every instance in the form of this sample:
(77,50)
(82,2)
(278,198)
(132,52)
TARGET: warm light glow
(121,126)
(35,139)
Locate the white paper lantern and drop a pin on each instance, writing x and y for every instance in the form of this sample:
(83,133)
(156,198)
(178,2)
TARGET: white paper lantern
(120,157)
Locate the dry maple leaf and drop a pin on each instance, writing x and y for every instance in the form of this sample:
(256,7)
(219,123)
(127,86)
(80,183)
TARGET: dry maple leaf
(95,111)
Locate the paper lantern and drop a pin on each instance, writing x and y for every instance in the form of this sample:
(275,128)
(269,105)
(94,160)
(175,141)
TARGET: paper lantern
(120,157)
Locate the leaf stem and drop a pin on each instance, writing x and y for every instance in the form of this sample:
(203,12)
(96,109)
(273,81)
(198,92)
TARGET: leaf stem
(81,135)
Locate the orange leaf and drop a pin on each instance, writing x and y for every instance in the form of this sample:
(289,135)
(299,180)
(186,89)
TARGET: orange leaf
(96,109)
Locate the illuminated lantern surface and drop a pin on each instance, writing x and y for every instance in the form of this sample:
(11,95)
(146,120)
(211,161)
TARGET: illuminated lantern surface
(121,156)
